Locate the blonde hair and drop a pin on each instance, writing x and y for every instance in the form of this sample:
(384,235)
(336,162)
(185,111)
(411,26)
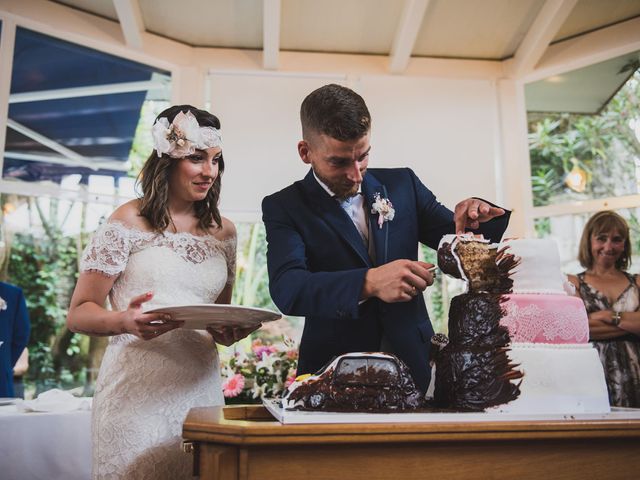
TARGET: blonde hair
(604,222)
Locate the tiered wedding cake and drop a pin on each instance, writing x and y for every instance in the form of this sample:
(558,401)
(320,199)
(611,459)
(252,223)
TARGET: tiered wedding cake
(518,343)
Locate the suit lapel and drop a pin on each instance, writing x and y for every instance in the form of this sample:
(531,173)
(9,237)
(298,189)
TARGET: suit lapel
(328,209)
(379,236)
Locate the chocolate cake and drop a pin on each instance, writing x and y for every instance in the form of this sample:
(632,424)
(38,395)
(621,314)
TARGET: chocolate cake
(518,343)
(473,371)
(357,382)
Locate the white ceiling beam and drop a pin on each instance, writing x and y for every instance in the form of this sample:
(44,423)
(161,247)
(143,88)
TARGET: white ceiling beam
(406,34)
(271,33)
(106,89)
(588,49)
(41,189)
(95,32)
(96,162)
(131,22)
(549,20)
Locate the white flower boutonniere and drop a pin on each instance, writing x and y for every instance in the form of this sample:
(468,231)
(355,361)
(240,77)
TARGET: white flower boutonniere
(384,209)
(3,304)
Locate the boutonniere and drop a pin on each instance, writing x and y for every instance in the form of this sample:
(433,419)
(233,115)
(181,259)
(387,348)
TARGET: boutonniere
(3,304)
(384,209)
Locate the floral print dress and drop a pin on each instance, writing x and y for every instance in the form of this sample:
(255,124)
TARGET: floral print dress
(620,356)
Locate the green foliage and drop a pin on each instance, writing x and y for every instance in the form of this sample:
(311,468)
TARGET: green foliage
(435,298)
(252,287)
(604,146)
(142,145)
(545,182)
(542,227)
(45,269)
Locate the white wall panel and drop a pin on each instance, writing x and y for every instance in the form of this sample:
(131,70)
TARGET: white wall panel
(260,132)
(444,129)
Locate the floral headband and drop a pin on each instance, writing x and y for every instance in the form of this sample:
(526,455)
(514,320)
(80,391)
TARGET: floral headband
(183,136)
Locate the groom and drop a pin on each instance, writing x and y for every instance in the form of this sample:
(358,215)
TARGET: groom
(343,242)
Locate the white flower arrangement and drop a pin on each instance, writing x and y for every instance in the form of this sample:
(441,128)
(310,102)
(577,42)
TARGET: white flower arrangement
(265,371)
(384,208)
(183,136)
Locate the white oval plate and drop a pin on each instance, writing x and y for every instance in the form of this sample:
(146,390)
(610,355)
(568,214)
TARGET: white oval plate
(201,316)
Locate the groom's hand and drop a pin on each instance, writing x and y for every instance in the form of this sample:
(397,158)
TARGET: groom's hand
(397,281)
(470,213)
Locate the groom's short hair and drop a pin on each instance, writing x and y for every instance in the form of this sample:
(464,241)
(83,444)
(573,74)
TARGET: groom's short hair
(336,111)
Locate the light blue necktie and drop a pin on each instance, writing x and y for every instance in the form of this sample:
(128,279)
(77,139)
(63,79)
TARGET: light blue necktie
(354,207)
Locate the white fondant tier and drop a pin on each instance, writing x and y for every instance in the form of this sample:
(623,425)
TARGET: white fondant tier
(555,319)
(539,268)
(561,379)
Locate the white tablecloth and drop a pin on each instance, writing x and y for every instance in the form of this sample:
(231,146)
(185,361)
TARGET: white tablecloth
(44,446)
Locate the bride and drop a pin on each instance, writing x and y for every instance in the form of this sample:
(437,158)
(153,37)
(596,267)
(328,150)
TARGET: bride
(171,246)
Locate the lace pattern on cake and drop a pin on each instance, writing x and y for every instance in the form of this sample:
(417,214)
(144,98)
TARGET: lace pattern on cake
(531,323)
(113,243)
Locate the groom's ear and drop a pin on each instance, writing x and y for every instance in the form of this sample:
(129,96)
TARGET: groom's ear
(303,151)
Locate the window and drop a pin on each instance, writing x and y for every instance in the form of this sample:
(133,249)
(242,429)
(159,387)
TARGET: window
(584,144)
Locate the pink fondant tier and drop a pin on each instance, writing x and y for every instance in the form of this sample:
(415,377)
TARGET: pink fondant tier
(545,319)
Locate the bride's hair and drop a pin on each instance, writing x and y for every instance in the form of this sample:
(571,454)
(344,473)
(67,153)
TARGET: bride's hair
(154,180)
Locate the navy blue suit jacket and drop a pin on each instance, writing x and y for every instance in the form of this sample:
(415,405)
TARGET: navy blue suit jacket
(14,333)
(317,263)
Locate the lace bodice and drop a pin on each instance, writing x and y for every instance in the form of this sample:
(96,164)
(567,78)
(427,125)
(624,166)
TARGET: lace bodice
(164,264)
(145,388)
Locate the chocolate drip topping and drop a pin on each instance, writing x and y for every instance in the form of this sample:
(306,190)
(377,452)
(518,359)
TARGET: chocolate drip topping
(447,262)
(371,388)
(473,371)
(474,320)
(438,342)
(506,263)
(475,378)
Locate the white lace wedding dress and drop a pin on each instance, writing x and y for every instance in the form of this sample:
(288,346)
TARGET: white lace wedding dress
(145,388)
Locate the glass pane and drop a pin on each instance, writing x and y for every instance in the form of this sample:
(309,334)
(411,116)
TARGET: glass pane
(352,370)
(382,372)
(591,156)
(64,118)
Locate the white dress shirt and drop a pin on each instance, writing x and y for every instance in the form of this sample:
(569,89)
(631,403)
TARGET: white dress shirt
(354,207)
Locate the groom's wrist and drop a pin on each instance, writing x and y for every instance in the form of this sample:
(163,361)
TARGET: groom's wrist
(368,286)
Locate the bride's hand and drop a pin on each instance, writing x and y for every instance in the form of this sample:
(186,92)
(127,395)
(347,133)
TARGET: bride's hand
(147,325)
(229,335)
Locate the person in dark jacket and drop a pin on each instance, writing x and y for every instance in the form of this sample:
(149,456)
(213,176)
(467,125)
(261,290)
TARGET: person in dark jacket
(343,242)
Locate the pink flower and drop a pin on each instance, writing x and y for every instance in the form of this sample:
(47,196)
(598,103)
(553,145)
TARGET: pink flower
(233,386)
(261,350)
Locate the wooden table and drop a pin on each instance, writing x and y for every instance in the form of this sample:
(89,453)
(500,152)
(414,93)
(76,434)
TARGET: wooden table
(246,443)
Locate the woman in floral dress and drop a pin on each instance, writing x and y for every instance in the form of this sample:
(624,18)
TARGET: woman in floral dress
(612,298)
